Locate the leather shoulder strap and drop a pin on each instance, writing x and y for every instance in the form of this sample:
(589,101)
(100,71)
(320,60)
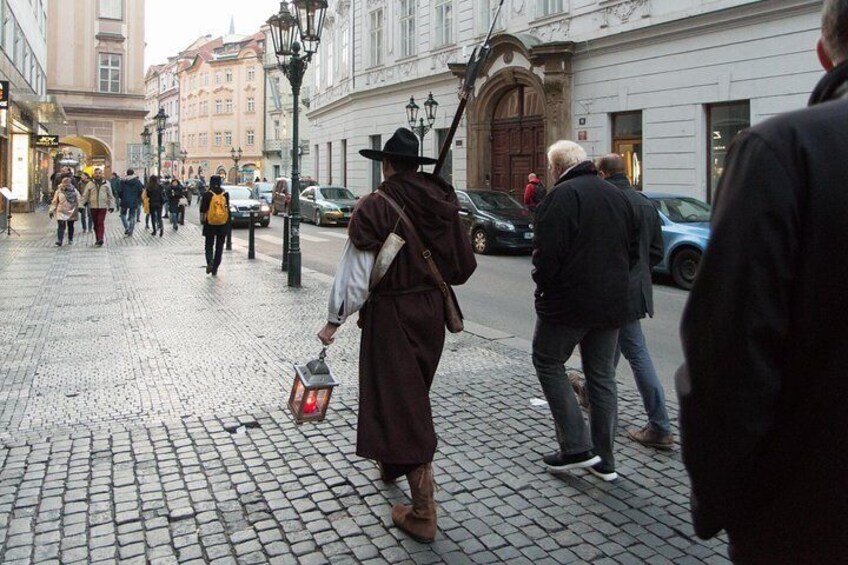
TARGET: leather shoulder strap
(425,253)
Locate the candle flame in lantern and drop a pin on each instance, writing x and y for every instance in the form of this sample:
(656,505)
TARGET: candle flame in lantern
(311,403)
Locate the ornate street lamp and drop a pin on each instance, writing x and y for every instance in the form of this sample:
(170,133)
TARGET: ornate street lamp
(236,156)
(292,33)
(183,158)
(417,124)
(161,120)
(145,142)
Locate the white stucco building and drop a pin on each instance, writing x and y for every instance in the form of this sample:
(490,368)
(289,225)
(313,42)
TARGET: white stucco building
(665,82)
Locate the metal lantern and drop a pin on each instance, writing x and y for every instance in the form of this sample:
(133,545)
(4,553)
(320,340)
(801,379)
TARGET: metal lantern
(412,112)
(145,136)
(311,391)
(310,21)
(161,120)
(283,31)
(430,107)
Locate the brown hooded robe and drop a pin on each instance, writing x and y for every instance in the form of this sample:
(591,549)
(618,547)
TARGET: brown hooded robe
(403,324)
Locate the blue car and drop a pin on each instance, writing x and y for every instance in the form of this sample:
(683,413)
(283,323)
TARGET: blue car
(686,231)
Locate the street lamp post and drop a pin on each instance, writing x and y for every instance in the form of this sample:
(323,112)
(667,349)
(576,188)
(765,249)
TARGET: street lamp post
(417,124)
(145,142)
(236,156)
(161,120)
(183,159)
(304,25)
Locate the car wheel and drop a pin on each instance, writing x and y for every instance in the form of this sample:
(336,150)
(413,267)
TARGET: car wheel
(316,218)
(684,267)
(265,223)
(480,241)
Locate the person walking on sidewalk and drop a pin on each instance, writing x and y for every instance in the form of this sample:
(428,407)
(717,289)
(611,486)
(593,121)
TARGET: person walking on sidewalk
(115,181)
(631,341)
(176,196)
(763,393)
(86,219)
(534,192)
(215,217)
(586,243)
(65,208)
(97,195)
(155,201)
(403,321)
(131,189)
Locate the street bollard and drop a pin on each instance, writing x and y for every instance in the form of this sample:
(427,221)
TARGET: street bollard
(286,228)
(230,236)
(251,238)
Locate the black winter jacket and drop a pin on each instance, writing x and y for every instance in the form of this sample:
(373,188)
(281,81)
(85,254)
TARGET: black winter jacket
(641,291)
(586,242)
(155,197)
(764,407)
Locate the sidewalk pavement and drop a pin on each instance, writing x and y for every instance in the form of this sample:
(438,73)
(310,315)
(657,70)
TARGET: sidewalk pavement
(142,421)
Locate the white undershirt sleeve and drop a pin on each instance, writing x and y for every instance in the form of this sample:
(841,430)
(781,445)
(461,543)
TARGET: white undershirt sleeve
(350,287)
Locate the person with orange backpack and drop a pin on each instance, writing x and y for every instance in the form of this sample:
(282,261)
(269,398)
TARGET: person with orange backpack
(215,217)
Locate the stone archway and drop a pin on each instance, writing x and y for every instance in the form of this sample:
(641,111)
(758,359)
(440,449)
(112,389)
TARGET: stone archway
(96,153)
(543,69)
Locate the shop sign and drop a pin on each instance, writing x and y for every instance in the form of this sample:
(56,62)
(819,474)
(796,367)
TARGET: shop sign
(46,140)
(4,94)
(20,166)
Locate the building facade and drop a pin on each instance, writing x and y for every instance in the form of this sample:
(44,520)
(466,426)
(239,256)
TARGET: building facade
(222,99)
(667,83)
(278,118)
(162,90)
(95,64)
(28,110)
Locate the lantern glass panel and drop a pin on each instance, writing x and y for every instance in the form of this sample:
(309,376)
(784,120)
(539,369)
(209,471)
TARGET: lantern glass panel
(310,20)
(412,112)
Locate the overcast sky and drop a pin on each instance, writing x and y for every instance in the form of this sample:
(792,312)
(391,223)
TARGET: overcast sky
(171,25)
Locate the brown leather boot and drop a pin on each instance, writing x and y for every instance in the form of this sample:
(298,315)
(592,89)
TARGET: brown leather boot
(418,520)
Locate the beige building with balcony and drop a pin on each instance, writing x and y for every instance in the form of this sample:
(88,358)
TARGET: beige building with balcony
(95,68)
(222,107)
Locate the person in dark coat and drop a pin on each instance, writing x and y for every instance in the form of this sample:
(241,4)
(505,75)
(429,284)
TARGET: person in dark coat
(215,235)
(764,391)
(131,189)
(176,193)
(155,201)
(586,242)
(402,321)
(631,341)
(115,182)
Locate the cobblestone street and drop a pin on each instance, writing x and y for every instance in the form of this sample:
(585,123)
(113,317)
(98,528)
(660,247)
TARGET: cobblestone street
(142,421)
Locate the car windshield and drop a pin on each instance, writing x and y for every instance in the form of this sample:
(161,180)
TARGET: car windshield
(683,210)
(491,201)
(239,193)
(336,193)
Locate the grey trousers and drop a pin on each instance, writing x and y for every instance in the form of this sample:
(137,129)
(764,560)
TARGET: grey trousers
(553,344)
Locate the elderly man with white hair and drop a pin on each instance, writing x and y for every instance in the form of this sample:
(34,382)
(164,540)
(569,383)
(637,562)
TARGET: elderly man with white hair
(586,243)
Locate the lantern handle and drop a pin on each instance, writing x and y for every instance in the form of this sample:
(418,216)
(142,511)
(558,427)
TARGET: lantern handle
(323,354)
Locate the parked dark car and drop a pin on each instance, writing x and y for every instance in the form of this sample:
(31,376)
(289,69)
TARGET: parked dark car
(281,199)
(327,205)
(686,231)
(495,220)
(243,201)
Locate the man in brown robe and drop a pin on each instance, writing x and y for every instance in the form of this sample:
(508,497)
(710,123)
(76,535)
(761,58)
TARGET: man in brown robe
(402,320)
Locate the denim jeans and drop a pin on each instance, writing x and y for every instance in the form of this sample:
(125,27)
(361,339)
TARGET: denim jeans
(553,345)
(155,216)
(128,215)
(631,344)
(60,230)
(174,215)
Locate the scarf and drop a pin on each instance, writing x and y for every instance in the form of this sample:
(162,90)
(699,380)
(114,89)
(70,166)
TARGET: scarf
(71,196)
(832,86)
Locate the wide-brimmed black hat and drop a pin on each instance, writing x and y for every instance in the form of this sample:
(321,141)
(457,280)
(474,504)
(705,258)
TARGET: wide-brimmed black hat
(402,145)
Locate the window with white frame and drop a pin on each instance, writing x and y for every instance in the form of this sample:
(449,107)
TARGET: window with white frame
(251,137)
(276,130)
(487,11)
(548,7)
(228,138)
(219,106)
(376,21)
(110,73)
(229,75)
(217,139)
(407,28)
(112,9)
(219,77)
(331,70)
(443,30)
(251,74)
(344,54)
(251,104)
(228,106)
(203,139)
(204,108)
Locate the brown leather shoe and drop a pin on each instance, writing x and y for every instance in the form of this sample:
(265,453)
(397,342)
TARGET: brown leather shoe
(652,438)
(418,520)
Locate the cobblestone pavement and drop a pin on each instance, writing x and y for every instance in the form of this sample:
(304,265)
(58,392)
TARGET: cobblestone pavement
(141,421)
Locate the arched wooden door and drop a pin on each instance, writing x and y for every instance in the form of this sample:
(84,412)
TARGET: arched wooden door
(518,141)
